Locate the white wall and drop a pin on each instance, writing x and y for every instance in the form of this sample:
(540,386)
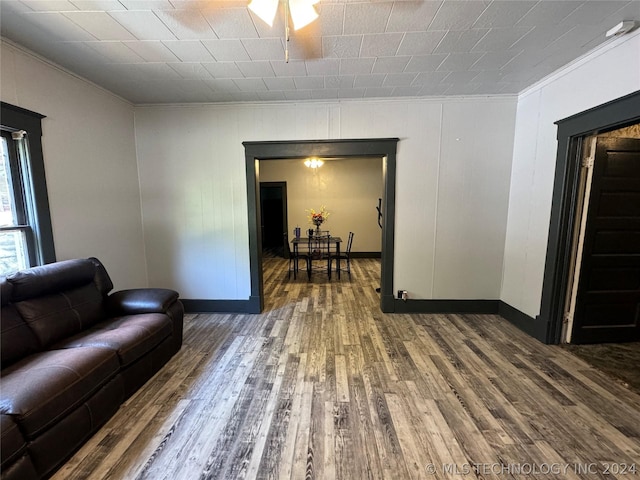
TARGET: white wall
(610,72)
(89,155)
(453,171)
(349,188)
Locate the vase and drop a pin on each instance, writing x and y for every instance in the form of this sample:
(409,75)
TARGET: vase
(317,230)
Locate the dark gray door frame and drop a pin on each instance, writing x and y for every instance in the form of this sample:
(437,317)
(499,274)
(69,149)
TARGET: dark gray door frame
(376,147)
(571,132)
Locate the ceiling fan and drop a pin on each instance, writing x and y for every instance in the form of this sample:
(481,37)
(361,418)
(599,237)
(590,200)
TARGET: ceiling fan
(302,14)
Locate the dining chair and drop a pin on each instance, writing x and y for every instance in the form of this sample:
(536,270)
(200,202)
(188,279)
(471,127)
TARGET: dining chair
(346,256)
(320,253)
(294,258)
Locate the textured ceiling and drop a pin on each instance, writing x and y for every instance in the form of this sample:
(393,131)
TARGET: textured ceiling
(168,51)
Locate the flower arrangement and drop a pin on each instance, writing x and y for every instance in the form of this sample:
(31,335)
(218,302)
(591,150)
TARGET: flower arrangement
(318,218)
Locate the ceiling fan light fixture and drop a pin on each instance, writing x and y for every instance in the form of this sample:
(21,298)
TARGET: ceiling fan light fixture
(265,10)
(302,12)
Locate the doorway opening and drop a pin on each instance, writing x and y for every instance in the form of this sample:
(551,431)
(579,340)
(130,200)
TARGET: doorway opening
(603,293)
(572,132)
(273,217)
(255,152)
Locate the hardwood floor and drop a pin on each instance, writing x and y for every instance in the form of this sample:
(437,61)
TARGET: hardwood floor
(323,385)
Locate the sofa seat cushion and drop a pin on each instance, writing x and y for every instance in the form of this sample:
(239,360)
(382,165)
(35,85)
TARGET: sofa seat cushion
(130,337)
(12,443)
(41,389)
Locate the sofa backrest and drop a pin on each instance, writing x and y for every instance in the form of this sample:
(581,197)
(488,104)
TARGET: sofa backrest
(17,340)
(60,299)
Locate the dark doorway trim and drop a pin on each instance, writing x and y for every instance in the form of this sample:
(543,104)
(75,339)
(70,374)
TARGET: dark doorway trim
(377,147)
(571,131)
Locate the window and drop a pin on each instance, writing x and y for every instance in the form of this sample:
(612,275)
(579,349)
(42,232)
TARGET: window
(26,237)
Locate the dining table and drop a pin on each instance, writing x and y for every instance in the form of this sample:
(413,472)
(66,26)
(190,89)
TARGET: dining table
(297,241)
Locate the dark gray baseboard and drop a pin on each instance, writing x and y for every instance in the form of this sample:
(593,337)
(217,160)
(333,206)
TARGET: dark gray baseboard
(220,306)
(533,326)
(446,306)
(366,255)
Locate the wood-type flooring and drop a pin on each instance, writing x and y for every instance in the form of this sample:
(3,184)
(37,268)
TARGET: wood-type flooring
(322,385)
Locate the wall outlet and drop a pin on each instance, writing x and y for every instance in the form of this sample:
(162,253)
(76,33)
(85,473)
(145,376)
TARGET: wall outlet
(403,295)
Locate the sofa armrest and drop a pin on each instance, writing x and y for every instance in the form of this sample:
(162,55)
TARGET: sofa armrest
(141,300)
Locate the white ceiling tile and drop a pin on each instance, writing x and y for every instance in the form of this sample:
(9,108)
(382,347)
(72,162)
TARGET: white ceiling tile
(250,84)
(231,22)
(500,39)
(246,96)
(390,64)
(495,60)
(256,69)
(366,17)
(271,96)
(341,46)
(367,81)
(406,91)
(357,66)
(157,71)
(548,12)
(339,81)
(223,70)
(425,63)
(189,50)
(329,66)
(430,78)
(298,95)
(460,77)
(143,25)
(435,90)
(399,79)
(191,70)
(309,83)
(280,83)
(540,37)
(412,16)
(152,50)
(59,27)
(264,48)
(14,6)
(459,61)
(503,13)
(325,94)
(101,25)
(226,50)
(331,18)
(420,43)
(458,15)
(115,52)
(378,92)
(460,41)
(380,45)
(489,76)
(293,68)
(186,24)
(104,5)
(592,12)
(50,5)
(463,89)
(305,48)
(222,85)
(148,4)
(351,92)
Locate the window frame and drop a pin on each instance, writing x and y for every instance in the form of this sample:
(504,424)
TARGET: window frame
(34,208)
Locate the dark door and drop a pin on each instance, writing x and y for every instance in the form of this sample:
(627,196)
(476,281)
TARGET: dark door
(608,298)
(273,212)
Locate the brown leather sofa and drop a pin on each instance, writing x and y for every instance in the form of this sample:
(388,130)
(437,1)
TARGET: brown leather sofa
(71,354)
